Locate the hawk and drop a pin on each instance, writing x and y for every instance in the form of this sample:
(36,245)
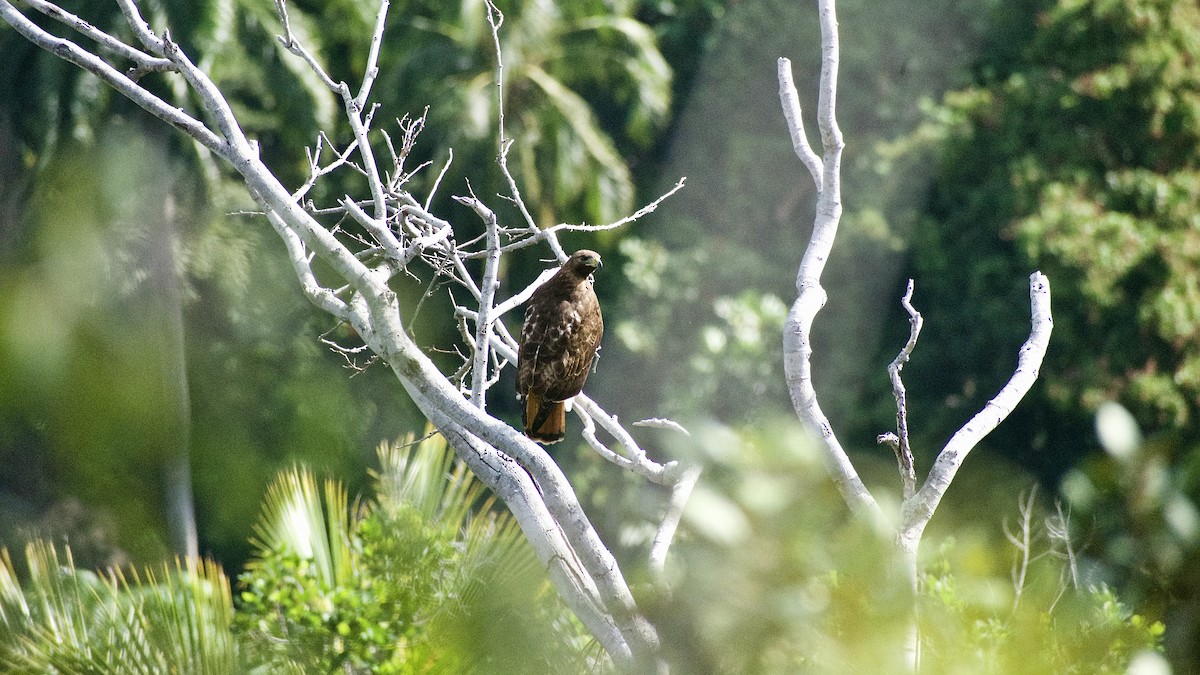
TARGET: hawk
(558,343)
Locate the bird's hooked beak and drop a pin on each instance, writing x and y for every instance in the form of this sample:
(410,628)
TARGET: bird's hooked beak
(591,259)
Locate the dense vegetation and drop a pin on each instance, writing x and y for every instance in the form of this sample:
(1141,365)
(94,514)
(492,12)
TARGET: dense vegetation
(141,322)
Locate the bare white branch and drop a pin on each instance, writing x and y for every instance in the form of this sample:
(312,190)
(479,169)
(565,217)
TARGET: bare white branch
(790,99)
(810,295)
(550,233)
(372,69)
(680,493)
(640,213)
(662,423)
(143,62)
(126,86)
(495,20)
(317,294)
(294,46)
(438,181)
(1029,361)
(141,29)
(378,229)
(487,288)
(919,505)
(520,298)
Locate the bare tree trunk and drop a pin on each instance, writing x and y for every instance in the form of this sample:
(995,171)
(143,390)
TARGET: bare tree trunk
(825,171)
(181,510)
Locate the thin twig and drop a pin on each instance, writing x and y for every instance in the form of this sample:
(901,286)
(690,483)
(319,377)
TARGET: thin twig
(1058,529)
(545,235)
(495,20)
(904,456)
(1022,541)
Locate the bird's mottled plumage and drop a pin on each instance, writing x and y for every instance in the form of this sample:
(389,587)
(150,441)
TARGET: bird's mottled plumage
(559,339)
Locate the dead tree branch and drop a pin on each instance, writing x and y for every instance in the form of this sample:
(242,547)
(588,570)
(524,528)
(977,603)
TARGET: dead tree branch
(825,170)
(383,234)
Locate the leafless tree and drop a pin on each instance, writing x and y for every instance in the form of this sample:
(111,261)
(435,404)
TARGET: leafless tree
(825,170)
(396,229)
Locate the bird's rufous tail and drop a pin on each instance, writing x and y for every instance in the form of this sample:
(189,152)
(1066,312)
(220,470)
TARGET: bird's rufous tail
(545,421)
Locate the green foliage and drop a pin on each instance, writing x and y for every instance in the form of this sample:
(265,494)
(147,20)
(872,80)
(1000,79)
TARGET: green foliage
(1140,501)
(1077,151)
(174,619)
(771,574)
(1053,630)
(1074,152)
(425,579)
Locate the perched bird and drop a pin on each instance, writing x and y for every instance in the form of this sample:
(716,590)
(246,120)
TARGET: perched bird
(558,343)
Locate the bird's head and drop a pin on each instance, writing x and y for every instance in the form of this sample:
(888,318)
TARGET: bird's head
(583,262)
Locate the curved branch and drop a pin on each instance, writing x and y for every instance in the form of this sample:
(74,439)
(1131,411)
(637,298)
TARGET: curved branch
(810,296)
(918,510)
(670,522)
(144,63)
(790,99)
(127,87)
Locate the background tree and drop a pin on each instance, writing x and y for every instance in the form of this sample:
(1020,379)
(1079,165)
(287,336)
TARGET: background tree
(1075,150)
(1097,193)
(149,260)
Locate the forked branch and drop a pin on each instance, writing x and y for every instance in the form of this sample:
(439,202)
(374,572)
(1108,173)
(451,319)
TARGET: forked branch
(825,171)
(363,243)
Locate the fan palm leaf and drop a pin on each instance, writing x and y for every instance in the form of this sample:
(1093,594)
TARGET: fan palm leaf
(312,521)
(426,476)
(174,618)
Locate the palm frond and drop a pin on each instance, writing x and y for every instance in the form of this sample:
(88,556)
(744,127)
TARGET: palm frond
(172,619)
(646,68)
(583,129)
(314,524)
(427,476)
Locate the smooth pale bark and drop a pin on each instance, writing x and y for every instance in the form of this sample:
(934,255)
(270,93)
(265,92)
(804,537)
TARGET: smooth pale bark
(824,169)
